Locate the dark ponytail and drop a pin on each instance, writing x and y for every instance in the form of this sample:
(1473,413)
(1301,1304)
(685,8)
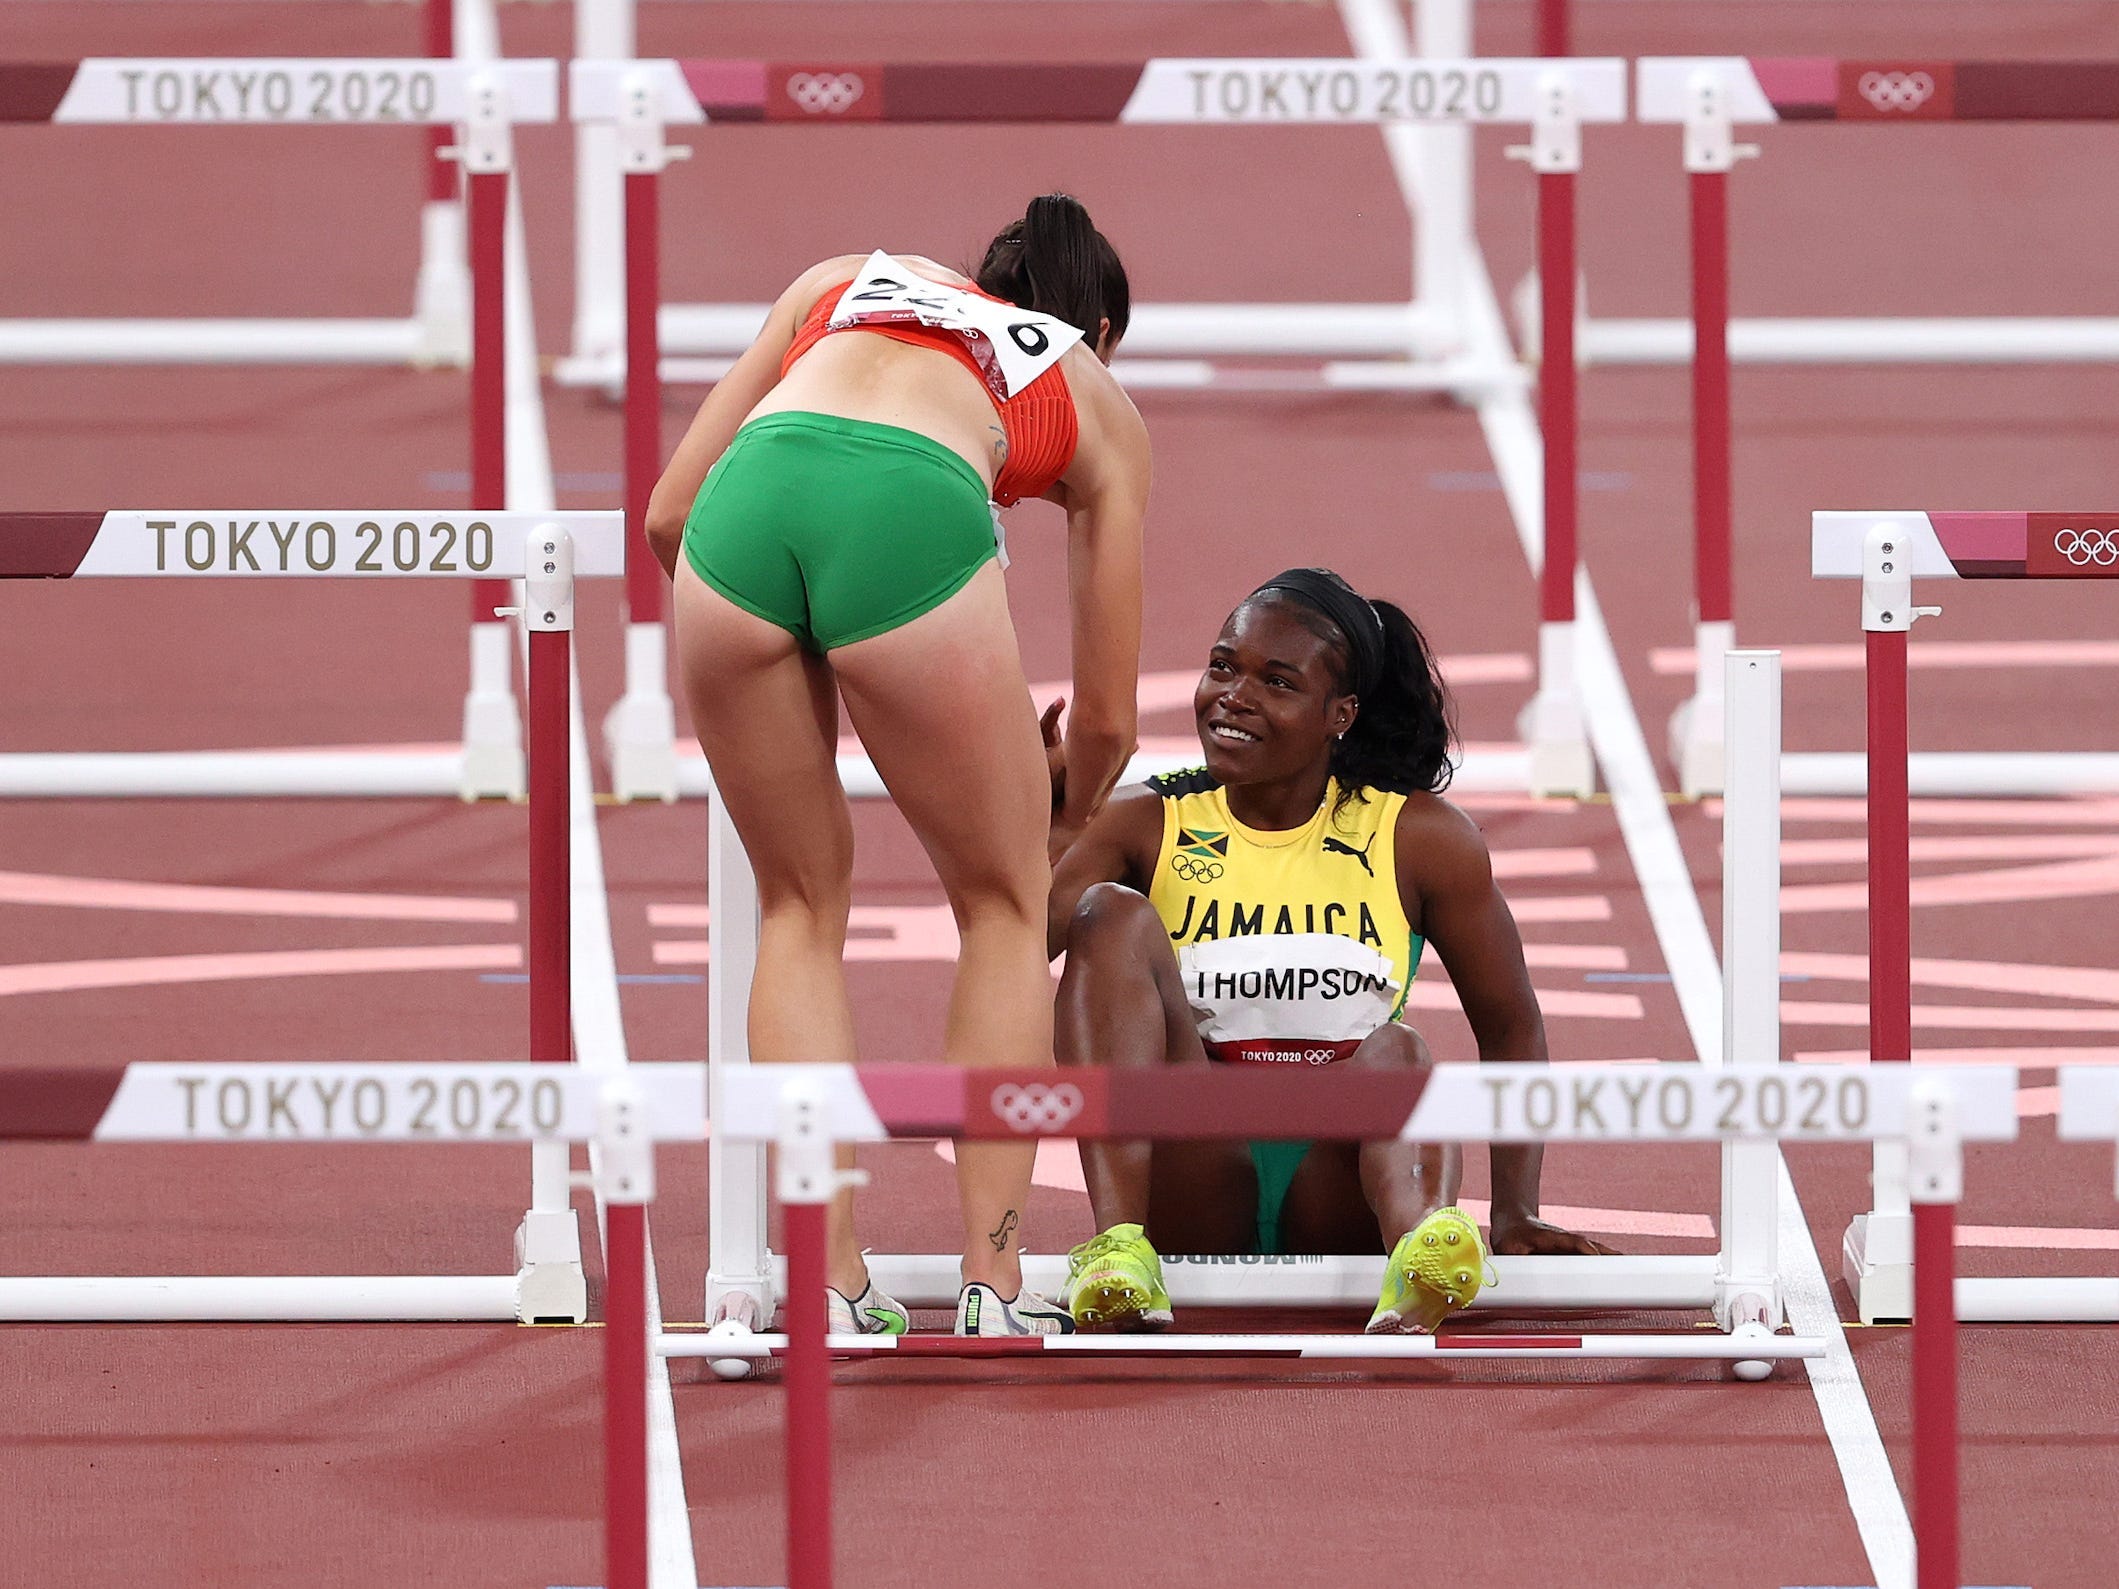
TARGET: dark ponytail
(1403,735)
(1055,261)
(1404,731)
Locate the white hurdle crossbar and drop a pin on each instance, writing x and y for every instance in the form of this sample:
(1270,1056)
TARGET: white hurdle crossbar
(1740,1282)
(482,100)
(545,552)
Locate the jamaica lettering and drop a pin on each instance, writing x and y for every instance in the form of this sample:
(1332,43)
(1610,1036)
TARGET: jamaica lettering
(1250,921)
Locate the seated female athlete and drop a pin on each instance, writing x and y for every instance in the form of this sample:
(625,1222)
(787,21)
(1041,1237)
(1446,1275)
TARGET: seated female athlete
(1313,840)
(844,547)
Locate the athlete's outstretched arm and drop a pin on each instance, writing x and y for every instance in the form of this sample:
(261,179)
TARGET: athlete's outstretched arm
(1105,493)
(1446,879)
(755,373)
(1118,846)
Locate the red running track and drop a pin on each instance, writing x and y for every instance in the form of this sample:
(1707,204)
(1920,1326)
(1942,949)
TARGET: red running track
(361,1454)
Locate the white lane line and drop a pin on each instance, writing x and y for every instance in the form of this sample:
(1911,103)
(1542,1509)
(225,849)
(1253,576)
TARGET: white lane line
(599,1028)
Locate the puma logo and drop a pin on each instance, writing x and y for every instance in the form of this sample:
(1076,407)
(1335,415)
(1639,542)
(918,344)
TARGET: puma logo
(1335,847)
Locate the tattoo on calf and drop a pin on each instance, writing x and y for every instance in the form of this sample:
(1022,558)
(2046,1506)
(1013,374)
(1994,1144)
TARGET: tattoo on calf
(1002,1231)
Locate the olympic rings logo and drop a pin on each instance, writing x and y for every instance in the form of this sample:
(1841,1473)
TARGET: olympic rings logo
(1037,1107)
(1196,868)
(2084,547)
(825,93)
(1889,91)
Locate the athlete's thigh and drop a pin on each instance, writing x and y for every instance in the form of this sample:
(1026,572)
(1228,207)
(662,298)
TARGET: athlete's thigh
(1326,1210)
(767,717)
(1202,1197)
(942,708)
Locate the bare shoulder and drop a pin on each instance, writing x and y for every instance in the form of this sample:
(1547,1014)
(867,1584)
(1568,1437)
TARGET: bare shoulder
(1134,816)
(1114,438)
(1440,845)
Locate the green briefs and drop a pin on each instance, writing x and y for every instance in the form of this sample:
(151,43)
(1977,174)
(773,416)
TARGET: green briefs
(836,529)
(1276,1164)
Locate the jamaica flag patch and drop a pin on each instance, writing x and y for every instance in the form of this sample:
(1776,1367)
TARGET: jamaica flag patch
(1202,841)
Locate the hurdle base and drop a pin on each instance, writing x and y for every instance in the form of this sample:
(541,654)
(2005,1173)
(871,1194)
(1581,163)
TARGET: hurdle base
(550,1284)
(1561,764)
(441,297)
(1462,1345)
(1987,339)
(750,1300)
(2039,1299)
(1699,729)
(1653,1282)
(1959,774)
(244,341)
(1698,746)
(259,1299)
(1499,771)
(640,731)
(1877,1263)
(229,775)
(493,764)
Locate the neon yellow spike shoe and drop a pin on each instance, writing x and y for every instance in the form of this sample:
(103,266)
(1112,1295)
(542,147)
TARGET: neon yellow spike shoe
(1436,1269)
(1115,1282)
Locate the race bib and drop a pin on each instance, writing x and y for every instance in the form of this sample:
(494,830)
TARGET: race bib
(1267,997)
(1013,346)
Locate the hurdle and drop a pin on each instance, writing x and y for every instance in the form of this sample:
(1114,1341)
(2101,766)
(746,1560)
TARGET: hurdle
(1171,346)
(1887,551)
(548,1107)
(1554,98)
(1710,97)
(546,552)
(809,1110)
(437,333)
(1739,1283)
(482,100)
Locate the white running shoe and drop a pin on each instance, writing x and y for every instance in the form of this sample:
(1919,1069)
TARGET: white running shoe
(981,1310)
(873,1312)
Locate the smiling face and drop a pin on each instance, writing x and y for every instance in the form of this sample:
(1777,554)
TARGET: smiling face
(1269,705)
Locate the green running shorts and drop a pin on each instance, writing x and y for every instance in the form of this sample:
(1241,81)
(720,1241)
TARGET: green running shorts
(836,529)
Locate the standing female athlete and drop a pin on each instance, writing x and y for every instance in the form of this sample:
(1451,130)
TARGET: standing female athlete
(1269,908)
(843,547)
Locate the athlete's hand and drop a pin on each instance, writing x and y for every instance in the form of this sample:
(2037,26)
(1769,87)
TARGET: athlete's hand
(1055,752)
(1528,1237)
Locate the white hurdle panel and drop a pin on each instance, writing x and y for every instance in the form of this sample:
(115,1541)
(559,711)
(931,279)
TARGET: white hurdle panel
(545,553)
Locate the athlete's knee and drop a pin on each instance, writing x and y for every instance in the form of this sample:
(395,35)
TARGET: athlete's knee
(815,910)
(1392,1046)
(1110,918)
(1000,898)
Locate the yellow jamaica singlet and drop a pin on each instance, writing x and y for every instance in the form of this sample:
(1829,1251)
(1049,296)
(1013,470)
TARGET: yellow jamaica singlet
(1294,945)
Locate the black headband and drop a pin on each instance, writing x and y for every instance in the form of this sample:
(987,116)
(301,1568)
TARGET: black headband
(1356,619)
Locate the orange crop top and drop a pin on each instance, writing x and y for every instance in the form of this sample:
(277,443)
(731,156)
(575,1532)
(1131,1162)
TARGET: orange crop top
(1040,421)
